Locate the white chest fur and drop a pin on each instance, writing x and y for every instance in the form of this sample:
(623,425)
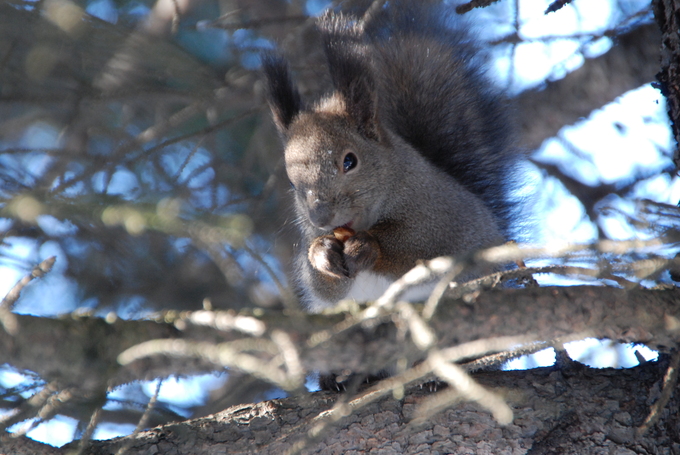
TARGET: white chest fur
(368,286)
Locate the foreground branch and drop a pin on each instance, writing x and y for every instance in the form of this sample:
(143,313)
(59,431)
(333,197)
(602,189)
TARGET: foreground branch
(65,349)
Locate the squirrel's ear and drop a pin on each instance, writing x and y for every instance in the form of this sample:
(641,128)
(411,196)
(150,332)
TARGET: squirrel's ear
(351,71)
(282,94)
(361,103)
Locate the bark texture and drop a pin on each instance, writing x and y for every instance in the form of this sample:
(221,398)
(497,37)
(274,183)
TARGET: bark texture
(567,410)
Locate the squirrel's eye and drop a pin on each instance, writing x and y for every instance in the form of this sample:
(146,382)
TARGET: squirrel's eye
(350,162)
(291,185)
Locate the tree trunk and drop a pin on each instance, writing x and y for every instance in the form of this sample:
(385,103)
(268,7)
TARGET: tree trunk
(666,14)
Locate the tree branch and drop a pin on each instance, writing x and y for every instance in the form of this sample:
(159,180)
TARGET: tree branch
(568,410)
(630,63)
(83,351)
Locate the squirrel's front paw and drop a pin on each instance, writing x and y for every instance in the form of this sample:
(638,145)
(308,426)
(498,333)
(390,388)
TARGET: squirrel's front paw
(325,255)
(360,252)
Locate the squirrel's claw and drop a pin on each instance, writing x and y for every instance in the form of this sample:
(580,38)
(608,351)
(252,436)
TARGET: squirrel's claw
(326,256)
(361,251)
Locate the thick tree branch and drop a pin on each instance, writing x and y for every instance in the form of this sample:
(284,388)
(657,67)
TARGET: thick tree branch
(83,352)
(25,446)
(567,410)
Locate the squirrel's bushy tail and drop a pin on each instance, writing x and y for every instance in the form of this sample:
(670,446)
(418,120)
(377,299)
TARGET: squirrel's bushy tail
(431,91)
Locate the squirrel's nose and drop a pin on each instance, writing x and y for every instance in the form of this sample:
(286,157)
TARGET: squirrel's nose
(320,214)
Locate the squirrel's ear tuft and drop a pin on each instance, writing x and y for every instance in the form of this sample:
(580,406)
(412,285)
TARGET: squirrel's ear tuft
(351,70)
(282,94)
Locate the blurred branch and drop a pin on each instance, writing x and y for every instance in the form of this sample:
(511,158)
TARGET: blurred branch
(62,349)
(465,7)
(7,318)
(556,6)
(227,22)
(630,63)
(589,196)
(142,423)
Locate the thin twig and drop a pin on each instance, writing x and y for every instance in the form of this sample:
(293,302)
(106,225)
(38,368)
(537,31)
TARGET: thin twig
(289,300)
(38,272)
(89,430)
(26,410)
(8,320)
(48,409)
(142,421)
(438,292)
(670,380)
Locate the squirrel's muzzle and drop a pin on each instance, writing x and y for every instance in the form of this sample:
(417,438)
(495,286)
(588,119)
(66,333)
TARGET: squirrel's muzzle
(320,214)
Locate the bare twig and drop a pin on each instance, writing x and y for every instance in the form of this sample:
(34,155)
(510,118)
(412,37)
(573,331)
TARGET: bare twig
(230,354)
(469,6)
(225,321)
(556,5)
(289,300)
(670,380)
(142,421)
(7,319)
(87,434)
(26,410)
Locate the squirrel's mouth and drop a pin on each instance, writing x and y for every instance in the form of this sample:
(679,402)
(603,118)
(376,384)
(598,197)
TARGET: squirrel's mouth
(347,225)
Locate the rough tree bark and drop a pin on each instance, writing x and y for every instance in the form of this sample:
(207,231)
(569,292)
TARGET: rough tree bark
(567,410)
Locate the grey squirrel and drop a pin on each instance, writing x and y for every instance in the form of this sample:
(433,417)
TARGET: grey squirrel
(410,154)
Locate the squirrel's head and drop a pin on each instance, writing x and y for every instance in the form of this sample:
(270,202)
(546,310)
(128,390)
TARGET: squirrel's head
(337,154)
(339,175)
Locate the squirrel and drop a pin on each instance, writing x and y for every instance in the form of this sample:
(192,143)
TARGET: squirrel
(409,157)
